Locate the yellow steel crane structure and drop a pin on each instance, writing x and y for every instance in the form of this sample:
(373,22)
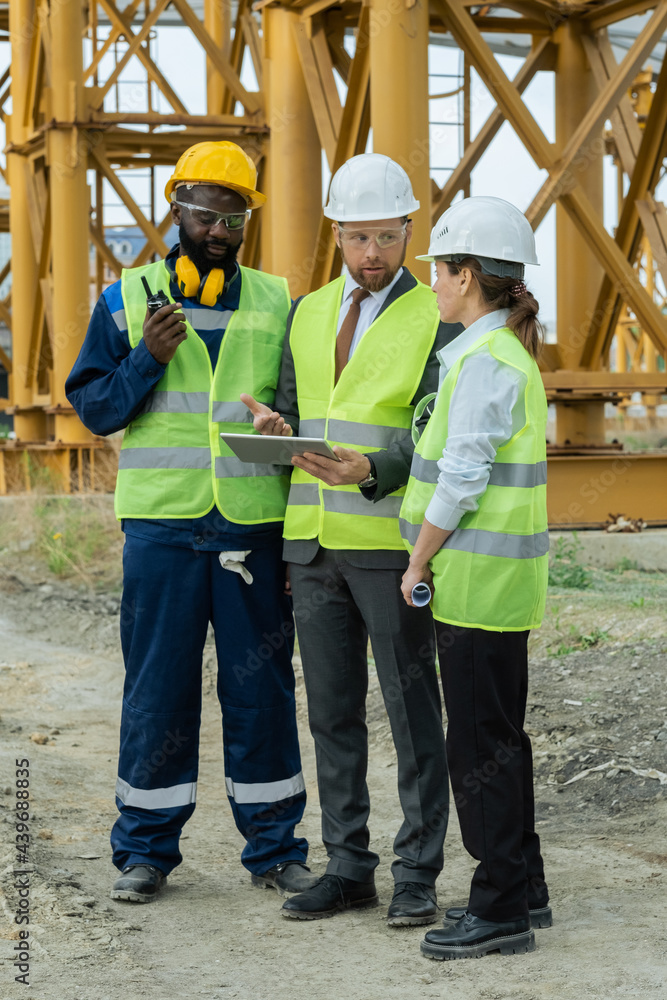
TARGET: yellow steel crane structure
(329,74)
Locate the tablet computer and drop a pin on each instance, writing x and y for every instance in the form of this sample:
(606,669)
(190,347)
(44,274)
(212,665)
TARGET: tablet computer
(280,450)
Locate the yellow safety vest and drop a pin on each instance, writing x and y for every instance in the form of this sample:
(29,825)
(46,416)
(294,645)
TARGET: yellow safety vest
(173,463)
(369,409)
(491,572)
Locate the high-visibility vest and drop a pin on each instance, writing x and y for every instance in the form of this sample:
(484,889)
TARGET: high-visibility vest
(368,409)
(491,572)
(173,463)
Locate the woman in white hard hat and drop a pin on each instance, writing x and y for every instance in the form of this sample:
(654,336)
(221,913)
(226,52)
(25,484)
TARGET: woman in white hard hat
(474,518)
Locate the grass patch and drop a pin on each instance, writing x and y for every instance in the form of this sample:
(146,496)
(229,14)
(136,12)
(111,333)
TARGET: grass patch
(565,570)
(578,640)
(70,537)
(625,564)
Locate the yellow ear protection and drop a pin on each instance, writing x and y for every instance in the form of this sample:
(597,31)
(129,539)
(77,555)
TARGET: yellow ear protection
(206,290)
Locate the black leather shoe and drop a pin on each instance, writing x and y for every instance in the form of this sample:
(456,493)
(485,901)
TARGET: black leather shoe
(286,877)
(413,903)
(139,884)
(540,916)
(330,895)
(472,937)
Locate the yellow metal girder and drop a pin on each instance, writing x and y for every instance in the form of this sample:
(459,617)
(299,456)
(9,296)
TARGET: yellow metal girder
(561,177)
(644,178)
(317,68)
(460,175)
(60,128)
(352,137)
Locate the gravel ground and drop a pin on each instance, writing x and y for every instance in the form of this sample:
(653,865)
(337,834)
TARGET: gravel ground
(598,719)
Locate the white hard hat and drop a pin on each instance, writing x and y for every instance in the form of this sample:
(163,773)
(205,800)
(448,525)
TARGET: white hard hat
(492,230)
(370,186)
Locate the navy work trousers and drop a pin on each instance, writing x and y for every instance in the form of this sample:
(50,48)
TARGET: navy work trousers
(170,595)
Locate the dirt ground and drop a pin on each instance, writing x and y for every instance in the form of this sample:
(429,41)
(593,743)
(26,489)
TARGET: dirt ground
(598,718)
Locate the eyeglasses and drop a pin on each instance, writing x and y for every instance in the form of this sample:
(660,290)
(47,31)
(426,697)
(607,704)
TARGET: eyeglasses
(210,219)
(360,239)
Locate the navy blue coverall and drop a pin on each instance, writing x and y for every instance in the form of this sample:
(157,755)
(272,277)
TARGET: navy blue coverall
(173,587)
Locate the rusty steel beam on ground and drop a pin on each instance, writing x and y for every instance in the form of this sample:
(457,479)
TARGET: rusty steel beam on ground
(583,490)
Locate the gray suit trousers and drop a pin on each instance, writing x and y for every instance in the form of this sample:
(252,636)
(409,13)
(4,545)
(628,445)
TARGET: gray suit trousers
(337,607)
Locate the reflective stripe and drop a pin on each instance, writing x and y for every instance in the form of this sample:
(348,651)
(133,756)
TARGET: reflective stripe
(344,502)
(177,402)
(496,543)
(231,413)
(486,543)
(304,494)
(120,319)
(230,467)
(164,458)
(269,791)
(424,469)
(349,431)
(410,532)
(518,474)
(502,473)
(205,318)
(367,435)
(311,428)
(157,798)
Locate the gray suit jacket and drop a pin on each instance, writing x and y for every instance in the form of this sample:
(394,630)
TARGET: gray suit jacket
(392,466)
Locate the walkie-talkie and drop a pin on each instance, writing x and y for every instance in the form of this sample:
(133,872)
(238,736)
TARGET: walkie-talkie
(154,300)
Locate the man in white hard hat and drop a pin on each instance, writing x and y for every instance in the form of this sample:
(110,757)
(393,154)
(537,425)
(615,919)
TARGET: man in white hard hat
(359,354)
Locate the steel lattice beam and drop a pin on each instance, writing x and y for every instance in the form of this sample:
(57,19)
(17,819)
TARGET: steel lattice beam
(61,127)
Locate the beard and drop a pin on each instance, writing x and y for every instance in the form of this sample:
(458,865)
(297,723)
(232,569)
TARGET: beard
(374,282)
(204,261)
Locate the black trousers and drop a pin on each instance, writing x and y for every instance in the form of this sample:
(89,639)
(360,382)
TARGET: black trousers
(337,607)
(485,682)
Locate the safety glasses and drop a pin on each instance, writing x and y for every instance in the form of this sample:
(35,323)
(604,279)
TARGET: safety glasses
(210,219)
(360,239)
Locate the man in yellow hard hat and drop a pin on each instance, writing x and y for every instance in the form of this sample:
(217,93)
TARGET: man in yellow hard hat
(169,349)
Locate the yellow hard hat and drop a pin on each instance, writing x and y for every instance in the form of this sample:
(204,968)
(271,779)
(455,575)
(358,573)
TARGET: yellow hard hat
(222,163)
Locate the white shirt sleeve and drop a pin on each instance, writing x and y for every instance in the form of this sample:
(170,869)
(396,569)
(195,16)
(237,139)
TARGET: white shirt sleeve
(486,410)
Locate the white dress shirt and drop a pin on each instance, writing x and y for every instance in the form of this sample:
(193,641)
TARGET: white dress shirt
(486,410)
(369,307)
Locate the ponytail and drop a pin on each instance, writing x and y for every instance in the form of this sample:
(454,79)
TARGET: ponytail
(512,294)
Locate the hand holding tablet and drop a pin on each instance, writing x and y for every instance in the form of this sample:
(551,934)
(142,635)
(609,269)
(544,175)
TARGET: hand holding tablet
(276,448)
